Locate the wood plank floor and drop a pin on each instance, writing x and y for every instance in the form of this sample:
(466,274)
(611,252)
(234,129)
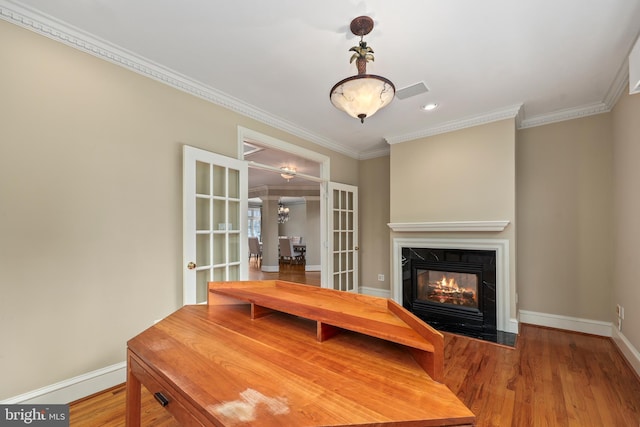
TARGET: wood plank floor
(291,273)
(551,378)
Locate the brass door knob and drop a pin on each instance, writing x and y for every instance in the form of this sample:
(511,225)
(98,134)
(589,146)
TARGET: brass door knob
(191,265)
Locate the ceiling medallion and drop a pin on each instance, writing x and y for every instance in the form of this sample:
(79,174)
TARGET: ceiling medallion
(362,95)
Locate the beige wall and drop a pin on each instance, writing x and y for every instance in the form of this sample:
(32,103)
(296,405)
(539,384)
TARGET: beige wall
(312,234)
(563,181)
(564,218)
(466,175)
(91,206)
(297,224)
(626,214)
(373,236)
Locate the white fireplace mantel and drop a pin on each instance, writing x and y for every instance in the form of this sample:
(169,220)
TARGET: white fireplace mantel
(448,226)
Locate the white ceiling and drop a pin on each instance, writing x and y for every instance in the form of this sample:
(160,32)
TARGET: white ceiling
(544,60)
(263,155)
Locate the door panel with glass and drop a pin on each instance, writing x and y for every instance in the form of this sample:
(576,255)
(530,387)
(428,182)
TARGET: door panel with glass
(343,247)
(215,220)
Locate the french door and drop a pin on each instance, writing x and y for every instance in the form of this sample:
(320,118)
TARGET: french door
(343,237)
(214,221)
(215,194)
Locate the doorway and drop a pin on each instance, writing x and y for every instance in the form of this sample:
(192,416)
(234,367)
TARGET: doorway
(286,177)
(337,244)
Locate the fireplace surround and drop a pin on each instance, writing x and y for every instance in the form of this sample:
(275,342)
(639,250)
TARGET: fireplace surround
(454,290)
(502,301)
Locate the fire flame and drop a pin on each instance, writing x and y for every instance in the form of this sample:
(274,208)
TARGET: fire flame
(451,284)
(448,291)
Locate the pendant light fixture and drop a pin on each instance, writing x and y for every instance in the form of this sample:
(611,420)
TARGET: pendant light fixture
(360,96)
(283,213)
(288,172)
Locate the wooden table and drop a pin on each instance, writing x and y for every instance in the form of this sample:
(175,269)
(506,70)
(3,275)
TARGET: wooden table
(273,353)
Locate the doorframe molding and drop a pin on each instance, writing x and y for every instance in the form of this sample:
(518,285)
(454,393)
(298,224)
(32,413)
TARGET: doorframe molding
(252,136)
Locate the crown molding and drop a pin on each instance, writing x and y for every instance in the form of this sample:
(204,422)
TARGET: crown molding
(512,112)
(76,38)
(372,154)
(619,85)
(617,88)
(565,114)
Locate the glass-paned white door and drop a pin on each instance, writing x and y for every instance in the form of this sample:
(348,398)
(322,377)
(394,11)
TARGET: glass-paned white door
(215,221)
(343,229)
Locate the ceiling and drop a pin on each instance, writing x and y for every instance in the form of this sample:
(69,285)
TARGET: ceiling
(536,60)
(269,156)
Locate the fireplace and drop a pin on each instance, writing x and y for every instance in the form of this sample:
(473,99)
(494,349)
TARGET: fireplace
(453,290)
(466,257)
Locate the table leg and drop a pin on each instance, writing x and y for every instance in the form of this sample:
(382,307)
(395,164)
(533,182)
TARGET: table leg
(134,393)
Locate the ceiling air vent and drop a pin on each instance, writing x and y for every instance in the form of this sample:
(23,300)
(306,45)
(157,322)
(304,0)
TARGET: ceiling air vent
(413,90)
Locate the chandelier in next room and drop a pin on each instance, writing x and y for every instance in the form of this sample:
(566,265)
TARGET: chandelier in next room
(360,96)
(283,213)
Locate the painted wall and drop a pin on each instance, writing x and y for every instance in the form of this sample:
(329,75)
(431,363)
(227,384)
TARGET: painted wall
(373,236)
(312,234)
(564,218)
(297,224)
(91,204)
(466,175)
(626,214)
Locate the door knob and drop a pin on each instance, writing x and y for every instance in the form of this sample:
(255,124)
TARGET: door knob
(191,265)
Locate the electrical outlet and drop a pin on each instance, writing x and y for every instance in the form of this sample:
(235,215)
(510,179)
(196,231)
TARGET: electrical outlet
(381,277)
(622,312)
(618,310)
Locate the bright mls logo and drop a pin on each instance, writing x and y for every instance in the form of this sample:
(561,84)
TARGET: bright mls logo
(34,415)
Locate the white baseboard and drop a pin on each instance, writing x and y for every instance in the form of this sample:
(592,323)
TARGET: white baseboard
(576,324)
(376,292)
(628,350)
(312,267)
(512,326)
(74,388)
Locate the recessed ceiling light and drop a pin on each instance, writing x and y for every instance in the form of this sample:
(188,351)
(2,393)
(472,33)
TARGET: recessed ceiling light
(429,107)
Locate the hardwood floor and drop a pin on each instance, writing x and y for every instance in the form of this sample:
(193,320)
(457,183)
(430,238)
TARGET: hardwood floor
(291,273)
(551,378)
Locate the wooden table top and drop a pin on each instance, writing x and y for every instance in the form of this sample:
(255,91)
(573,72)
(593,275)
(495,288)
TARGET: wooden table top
(272,371)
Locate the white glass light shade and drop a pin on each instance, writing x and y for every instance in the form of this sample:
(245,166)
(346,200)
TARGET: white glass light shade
(362,95)
(287,172)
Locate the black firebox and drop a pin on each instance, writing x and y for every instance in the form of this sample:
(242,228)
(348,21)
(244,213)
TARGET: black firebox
(454,290)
